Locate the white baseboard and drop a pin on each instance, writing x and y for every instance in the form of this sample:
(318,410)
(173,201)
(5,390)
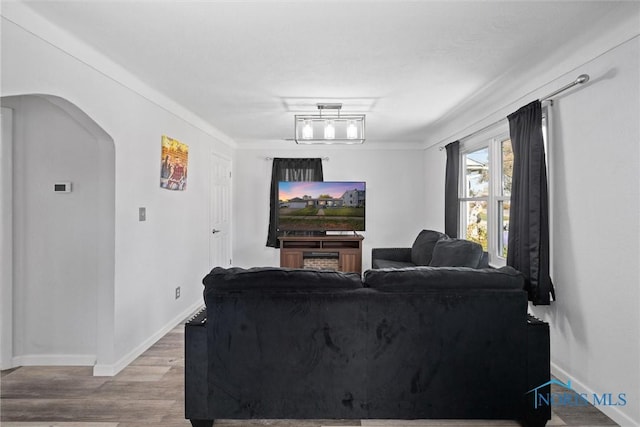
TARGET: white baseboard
(612,412)
(54,360)
(104,370)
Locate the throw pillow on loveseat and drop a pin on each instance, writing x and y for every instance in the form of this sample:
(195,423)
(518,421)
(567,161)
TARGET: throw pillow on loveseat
(457,253)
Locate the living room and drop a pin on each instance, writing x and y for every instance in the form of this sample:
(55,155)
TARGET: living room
(593,179)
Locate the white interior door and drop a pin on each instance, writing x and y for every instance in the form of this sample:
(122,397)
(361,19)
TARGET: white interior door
(220,212)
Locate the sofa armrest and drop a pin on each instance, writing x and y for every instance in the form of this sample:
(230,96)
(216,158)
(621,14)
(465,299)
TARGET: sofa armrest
(195,370)
(538,372)
(392,254)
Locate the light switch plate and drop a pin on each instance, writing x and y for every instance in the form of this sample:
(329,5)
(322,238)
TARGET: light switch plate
(142,214)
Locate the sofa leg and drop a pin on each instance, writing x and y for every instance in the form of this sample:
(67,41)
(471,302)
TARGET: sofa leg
(201,423)
(535,422)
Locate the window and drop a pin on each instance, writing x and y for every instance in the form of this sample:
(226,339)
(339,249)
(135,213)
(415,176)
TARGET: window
(485,192)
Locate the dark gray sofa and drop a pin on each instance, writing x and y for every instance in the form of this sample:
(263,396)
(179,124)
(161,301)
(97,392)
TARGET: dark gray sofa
(413,343)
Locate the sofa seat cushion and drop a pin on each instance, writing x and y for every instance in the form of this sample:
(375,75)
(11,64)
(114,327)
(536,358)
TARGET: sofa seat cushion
(456,253)
(270,278)
(418,279)
(387,263)
(423,246)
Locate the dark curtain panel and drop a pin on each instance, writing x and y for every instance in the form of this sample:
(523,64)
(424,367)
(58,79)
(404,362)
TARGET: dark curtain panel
(451,204)
(288,170)
(528,249)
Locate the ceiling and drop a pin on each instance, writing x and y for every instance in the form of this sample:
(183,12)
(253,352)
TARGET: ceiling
(246,67)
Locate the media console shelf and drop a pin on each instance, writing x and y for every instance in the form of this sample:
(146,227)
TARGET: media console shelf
(333,252)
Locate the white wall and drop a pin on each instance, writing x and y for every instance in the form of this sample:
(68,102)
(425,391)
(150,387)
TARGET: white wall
(171,248)
(395,196)
(594,175)
(6,239)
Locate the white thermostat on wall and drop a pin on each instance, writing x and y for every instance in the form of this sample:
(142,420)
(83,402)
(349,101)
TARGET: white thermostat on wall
(62,187)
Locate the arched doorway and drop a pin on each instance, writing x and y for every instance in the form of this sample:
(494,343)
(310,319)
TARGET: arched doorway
(59,170)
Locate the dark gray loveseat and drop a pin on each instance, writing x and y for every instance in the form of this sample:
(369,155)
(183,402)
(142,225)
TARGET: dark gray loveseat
(431,248)
(416,343)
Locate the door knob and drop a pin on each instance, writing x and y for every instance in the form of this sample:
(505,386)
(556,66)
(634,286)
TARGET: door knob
(214,231)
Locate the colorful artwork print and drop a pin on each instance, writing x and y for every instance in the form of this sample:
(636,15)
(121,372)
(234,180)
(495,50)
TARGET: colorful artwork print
(174,161)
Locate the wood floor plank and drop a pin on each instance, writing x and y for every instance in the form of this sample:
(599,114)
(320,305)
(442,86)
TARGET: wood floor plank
(142,373)
(87,410)
(137,390)
(49,388)
(56,424)
(438,423)
(51,372)
(158,361)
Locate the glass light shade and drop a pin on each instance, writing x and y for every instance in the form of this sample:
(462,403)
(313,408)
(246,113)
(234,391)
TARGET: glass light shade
(329,130)
(352,130)
(307,130)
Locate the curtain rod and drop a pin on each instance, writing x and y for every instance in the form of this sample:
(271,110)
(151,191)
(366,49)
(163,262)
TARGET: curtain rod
(323,158)
(582,78)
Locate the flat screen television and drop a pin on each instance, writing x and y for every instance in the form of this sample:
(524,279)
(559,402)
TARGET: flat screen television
(321,206)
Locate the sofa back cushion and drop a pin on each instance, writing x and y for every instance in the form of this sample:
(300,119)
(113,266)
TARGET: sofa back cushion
(270,278)
(456,253)
(428,278)
(423,246)
(286,354)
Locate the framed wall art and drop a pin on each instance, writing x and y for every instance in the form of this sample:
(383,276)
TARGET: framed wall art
(174,164)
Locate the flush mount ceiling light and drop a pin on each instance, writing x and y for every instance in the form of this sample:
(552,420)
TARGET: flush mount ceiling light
(329,128)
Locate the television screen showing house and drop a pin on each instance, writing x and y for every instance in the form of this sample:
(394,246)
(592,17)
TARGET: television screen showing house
(321,206)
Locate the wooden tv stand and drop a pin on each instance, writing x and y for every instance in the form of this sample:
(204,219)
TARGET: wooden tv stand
(335,252)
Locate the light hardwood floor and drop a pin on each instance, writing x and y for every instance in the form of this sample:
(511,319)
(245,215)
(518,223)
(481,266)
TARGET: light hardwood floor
(150,392)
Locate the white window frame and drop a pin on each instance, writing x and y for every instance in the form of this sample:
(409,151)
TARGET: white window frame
(492,139)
